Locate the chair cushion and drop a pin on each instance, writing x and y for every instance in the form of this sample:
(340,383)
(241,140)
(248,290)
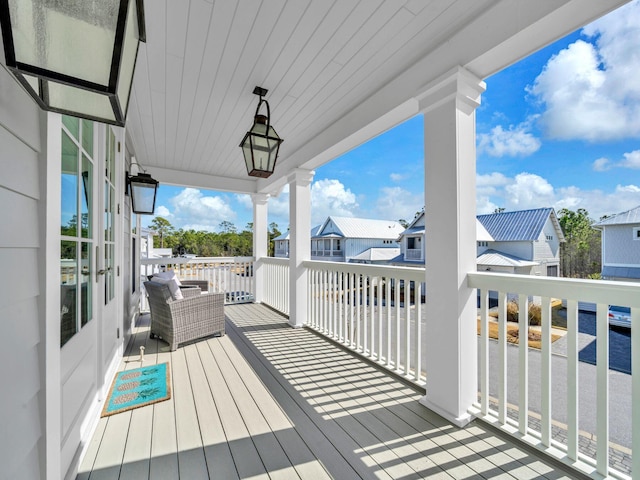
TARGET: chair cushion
(169,274)
(172,283)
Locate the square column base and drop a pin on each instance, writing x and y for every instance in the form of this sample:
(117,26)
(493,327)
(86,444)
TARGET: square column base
(461,421)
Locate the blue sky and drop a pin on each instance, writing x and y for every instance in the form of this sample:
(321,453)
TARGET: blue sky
(559,129)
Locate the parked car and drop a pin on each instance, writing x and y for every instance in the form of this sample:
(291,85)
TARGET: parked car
(240,297)
(619,316)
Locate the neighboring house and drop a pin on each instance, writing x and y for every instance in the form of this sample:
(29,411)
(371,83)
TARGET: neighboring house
(281,243)
(621,246)
(525,242)
(343,239)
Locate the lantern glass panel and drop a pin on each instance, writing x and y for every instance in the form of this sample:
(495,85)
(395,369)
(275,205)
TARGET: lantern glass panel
(74,99)
(143,197)
(129,53)
(73,38)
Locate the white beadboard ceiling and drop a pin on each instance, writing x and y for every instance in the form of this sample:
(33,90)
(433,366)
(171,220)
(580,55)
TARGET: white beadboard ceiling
(337,71)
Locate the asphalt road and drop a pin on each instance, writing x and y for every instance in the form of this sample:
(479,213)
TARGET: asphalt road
(619,380)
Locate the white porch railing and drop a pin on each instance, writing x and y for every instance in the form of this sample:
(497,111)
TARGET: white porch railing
(413,254)
(276,283)
(374,310)
(602,293)
(231,275)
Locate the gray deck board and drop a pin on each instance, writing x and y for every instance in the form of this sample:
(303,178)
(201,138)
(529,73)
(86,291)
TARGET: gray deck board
(268,401)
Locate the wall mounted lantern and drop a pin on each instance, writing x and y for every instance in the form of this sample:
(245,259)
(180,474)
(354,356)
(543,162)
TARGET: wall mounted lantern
(261,144)
(75,58)
(143,190)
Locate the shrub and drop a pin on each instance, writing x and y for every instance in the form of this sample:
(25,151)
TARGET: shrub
(535,313)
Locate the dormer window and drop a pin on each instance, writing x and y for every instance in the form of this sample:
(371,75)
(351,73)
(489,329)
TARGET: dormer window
(636,233)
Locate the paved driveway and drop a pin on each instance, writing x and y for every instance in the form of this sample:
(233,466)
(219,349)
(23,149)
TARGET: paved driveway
(619,343)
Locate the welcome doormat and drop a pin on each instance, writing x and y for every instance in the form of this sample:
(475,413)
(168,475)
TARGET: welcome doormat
(137,388)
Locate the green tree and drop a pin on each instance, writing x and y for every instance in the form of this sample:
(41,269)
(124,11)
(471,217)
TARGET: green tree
(163,228)
(274,232)
(404,223)
(227,227)
(580,254)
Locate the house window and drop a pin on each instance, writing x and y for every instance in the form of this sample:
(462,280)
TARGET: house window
(411,243)
(636,233)
(483,244)
(76,232)
(338,245)
(549,237)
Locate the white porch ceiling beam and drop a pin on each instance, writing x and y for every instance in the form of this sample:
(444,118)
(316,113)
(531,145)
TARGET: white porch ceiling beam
(168,176)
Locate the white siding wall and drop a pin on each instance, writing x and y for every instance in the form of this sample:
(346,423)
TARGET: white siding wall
(21,356)
(523,250)
(355,246)
(619,246)
(545,249)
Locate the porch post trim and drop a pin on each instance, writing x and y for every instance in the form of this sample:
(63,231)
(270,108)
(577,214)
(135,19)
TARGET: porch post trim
(260,240)
(299,243)
(449,106)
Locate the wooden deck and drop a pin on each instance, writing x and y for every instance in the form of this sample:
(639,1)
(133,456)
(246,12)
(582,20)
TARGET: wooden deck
(268,401)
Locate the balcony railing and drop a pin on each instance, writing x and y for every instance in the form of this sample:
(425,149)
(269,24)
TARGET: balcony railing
(276,283)
(231,275)
(413,254)
(379,312)
(495,410)
(374,310)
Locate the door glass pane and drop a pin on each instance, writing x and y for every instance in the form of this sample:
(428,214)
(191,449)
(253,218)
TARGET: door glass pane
(87,136)
(86,197)
(85,288)
(72,124)
(69,187)
(68,294)
(109,276)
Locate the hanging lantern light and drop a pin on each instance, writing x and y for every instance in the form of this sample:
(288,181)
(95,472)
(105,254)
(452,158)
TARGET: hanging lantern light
(143,189)
(261,144)
(76,58)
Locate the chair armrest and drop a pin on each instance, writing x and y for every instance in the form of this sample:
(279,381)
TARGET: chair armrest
(189,291)
(203,284)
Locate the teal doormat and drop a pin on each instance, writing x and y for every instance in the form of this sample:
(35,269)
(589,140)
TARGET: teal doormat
(137,388)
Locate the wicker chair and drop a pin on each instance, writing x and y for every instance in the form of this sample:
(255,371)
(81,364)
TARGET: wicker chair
(178,321)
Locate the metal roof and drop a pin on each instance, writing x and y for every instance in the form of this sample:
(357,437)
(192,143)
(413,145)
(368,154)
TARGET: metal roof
(350,227)
(499,259)
(630,216)
(285,235)
(376,254)
(523,225)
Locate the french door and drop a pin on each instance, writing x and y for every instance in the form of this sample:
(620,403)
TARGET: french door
(89,321)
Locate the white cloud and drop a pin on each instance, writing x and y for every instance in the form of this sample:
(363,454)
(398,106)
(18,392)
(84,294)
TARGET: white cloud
(398,177)
(162,211)
(513,142)
(395,203)
(591,90)
(631,160)
(192,209)
(602,164)
(527,190)
(330,197)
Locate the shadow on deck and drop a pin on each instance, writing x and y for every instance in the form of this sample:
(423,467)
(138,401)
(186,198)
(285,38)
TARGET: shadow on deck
(269,401)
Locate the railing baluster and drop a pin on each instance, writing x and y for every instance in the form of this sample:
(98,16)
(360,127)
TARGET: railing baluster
(418,336)
(572,379)
(545,390)
(484,351)
(380,308)
(388,297)
(523,363)
(407,313)
(502,357)
(397,304)
(635,391)
(602,381)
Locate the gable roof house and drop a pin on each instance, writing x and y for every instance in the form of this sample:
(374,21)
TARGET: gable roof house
(336,74)
(281,243)
(362,240)
(523,242)
(621,246)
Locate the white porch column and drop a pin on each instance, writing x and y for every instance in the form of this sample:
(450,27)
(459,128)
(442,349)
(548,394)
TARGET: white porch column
(260,240)
(450,217)
(299,243)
